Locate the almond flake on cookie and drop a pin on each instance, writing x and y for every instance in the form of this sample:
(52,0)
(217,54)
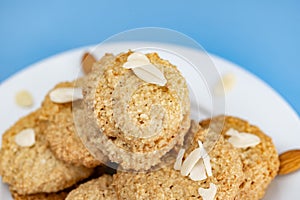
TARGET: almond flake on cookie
(138,56)
(144,69)
(197,155)
(208,194)
(178,162)
(136,59)
(242,140)
(150,74)
(66,95)
(206,159)
(198,172)
(191,161)
(134,64)
(25,138)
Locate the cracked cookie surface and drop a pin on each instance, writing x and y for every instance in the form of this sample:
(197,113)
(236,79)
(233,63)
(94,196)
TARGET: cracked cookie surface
(139,121)
(167,183)
(61,131)
(260,163)
(35,169)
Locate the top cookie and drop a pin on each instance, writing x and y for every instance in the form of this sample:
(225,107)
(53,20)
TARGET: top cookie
(168,183)
(137,117)
(61,130)
(260,163)
(31,170)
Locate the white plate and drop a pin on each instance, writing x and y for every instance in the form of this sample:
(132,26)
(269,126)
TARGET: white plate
(250,99)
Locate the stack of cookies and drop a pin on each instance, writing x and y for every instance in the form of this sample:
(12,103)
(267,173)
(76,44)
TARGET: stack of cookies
(141,127)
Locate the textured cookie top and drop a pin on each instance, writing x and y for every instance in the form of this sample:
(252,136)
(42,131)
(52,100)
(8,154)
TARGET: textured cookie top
(97,189)
(260,163)
(138,116)
(61,131)
(30,170)
(168,183)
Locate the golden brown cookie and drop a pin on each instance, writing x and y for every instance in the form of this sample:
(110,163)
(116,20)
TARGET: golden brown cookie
(61,131)
(140,122)
(97,189)
(260,163)
(34,169)
(41,196)
(168,183)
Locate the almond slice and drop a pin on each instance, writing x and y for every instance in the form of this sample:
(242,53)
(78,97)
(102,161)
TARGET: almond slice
(138,56)
(206,159)
(191,161)
(207,164)
(178,162)
(65,95)
(198,172)
(208,194)
(232,132)
(142,68)
(150,74)
(23,98)
(87,62)
(25,138)
(242,140)
(136,59)
(225,84)
(135,63)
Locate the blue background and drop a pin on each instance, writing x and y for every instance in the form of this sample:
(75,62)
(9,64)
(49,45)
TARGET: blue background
(261,36)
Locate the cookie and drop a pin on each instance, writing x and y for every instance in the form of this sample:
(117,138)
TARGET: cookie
(97,189)
(139,122)
(41,196)
(35,169)
(61,131)
(168,183)
(260,163)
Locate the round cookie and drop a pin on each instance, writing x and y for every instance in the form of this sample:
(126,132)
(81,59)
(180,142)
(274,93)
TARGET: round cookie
(260,163)
(31,170)
(61,131)
(168,183)
(139,122)
(97,189)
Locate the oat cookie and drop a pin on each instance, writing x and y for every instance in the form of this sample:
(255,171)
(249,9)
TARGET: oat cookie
(41,196)
(168,183)
(138,120)
(61,131)
(31,170)
(260,163)
(97,189)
